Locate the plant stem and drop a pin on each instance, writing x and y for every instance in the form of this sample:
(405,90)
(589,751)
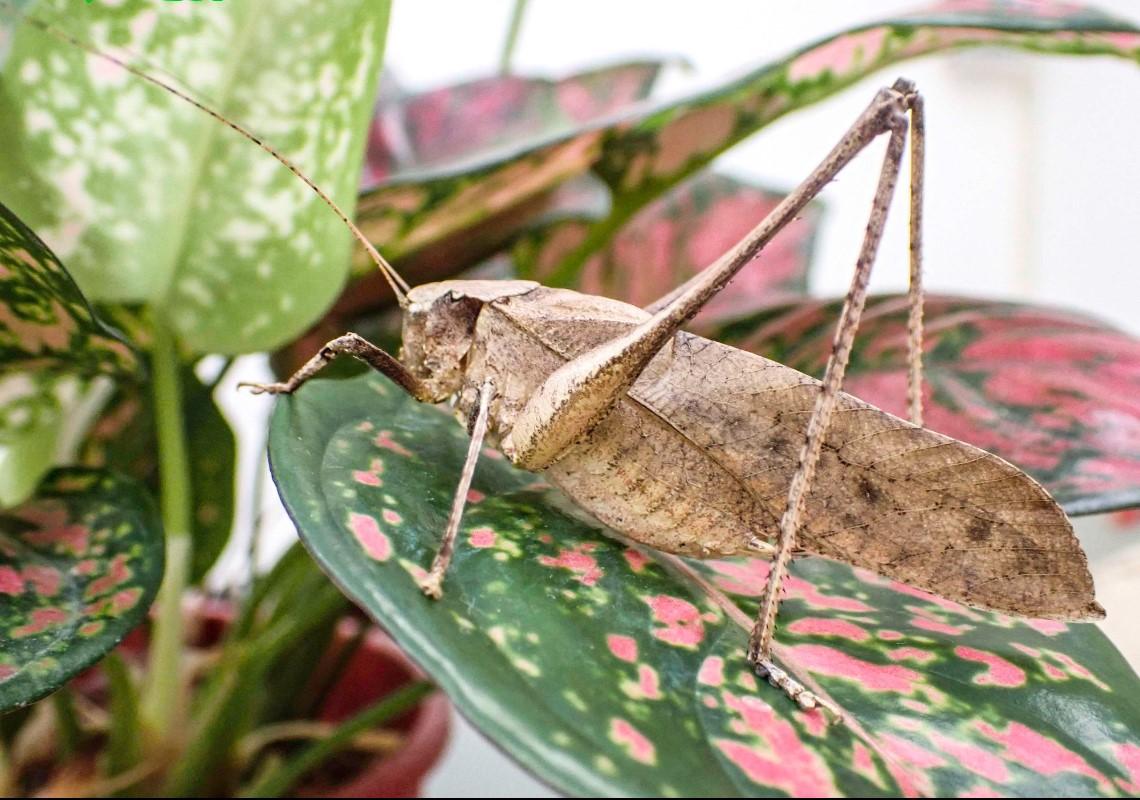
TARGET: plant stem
(7,773)
(124,744)
(228,705)
(512,37)
(161,710)
(292,770)
(67,723)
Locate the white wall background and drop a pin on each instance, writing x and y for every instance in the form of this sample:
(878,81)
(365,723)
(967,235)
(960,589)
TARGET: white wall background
(1033,185)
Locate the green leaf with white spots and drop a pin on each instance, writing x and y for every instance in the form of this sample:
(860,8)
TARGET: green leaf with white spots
(79,567)
(6,24)
(151,200)
(606,674)
(45,321)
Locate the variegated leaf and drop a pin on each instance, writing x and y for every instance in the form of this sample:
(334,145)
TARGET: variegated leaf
(653,151)
(148,199)
(1049,390)
(45,321)
(79,566)
(648,149)
(677,236)
(608,675)
(466,124)
(467,121)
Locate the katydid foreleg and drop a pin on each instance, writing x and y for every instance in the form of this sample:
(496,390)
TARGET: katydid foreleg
(358,347)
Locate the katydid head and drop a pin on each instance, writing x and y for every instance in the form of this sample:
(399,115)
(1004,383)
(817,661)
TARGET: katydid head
(439,327)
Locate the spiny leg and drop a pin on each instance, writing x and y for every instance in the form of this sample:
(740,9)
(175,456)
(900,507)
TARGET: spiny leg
(432,585)
(352,345)
(760,641)
(581,392)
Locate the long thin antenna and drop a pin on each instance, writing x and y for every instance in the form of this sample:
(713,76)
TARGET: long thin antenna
(399,286)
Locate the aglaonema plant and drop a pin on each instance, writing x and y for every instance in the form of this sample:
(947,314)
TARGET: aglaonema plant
(82,550)
(631,668)
(598,667)
(607,672)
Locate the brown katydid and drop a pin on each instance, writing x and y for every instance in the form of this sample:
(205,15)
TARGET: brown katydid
(699,449)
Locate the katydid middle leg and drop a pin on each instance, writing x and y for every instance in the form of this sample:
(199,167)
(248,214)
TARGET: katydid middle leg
(432,585)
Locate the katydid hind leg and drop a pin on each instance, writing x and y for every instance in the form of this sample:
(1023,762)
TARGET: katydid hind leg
(914,376)
(581,392)
(352,345)
(760,641)
(432,585)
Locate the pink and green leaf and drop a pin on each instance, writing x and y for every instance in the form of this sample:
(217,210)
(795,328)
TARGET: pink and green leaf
(467,121)
(677,236)
(1052,391)
(652,152)
(45,321)
(79,567)
(607,674)
(646,149)
(455,132)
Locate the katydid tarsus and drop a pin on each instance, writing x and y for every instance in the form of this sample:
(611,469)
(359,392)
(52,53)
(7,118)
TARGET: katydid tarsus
(698,449)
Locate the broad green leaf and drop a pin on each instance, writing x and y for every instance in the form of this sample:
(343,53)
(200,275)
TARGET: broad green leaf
(25,457)
(6,26)
(124,439)
(44,417)
(680,234)
(150,200)
(1051,391)
(79,566)
(45,321)
(605,674)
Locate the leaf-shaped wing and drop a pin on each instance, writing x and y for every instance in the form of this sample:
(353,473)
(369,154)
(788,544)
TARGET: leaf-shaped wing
(711,462)
(1049,389)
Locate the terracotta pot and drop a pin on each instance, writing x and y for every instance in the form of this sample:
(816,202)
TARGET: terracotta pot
(376,668)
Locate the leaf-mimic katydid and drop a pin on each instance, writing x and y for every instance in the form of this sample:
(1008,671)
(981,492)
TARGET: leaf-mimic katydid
(699,449)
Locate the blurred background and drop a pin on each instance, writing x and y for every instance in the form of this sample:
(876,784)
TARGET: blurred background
(1011,211)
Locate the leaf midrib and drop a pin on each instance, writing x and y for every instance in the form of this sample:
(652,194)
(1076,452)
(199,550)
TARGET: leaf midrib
(181,227)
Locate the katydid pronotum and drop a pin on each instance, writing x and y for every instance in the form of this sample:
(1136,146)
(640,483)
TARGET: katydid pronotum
(698,449)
